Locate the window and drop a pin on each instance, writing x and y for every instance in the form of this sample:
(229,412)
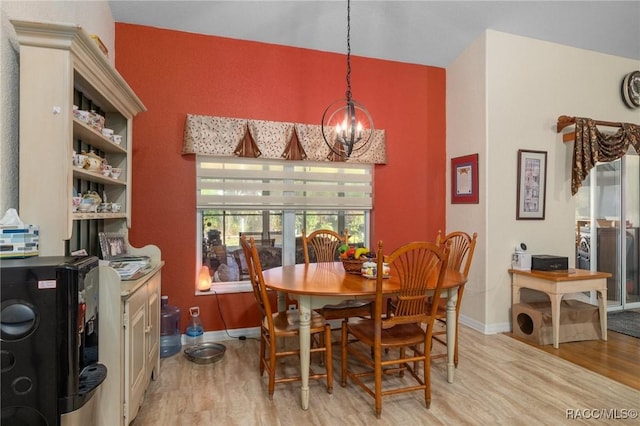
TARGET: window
(273,202)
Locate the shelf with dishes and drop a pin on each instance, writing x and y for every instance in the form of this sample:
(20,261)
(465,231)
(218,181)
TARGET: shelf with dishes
(100,215)
(91,205)
(96,176)
(92,137)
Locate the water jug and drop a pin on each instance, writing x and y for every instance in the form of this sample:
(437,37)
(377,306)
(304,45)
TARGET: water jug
(170,342)
(194,328)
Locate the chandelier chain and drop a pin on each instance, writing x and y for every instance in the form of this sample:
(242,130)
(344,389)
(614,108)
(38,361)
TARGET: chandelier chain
(348,93)
(347,128)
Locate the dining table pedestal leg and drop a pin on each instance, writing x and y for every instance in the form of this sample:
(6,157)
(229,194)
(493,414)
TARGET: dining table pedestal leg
(304,306)
(451,332)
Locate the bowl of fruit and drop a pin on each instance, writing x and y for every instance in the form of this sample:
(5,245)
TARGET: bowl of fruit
(352,258)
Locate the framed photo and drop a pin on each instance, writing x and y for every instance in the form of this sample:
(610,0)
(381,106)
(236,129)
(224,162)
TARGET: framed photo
(112,245)
(532,184)
(464,179)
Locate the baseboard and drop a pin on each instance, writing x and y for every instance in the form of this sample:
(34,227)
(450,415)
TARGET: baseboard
(485,328)
(254,332)
(221,335)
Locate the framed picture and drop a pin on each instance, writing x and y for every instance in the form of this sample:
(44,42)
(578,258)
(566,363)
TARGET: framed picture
(464,179)
(112,245)
(532,184)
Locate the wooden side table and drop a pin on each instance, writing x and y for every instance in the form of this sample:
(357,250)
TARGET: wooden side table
(558,283)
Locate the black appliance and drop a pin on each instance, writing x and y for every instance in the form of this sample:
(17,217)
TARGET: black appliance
(546,262)
(49,338)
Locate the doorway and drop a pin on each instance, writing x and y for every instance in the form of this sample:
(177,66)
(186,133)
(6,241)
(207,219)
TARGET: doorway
(608,228)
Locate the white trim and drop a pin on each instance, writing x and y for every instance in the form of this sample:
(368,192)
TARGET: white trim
(227,287)
(485,328)
(221,335)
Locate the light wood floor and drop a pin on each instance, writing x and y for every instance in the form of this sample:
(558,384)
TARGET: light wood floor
(618,358)
(500,381)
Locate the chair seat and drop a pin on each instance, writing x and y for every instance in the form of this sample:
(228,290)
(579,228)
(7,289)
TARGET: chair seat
(399,335)
(347,309)
(351,303)
(288,322)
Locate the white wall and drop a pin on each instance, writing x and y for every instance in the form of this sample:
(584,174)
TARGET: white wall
(94,16)
(528,84)
(467,134)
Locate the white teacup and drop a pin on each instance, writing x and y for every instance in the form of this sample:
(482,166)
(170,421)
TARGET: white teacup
(79,160)
(115,172)
(84,207)
(106,169)
(117,139)
(81,115)
(75,203)
(115,207)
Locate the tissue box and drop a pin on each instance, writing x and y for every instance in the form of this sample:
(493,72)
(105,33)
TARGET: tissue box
(18,241)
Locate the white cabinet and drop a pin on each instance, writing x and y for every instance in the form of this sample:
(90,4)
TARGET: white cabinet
(61,66)
(129,339)
(141,323)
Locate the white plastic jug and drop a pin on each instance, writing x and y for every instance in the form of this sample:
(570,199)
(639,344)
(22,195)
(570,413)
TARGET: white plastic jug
(194,328)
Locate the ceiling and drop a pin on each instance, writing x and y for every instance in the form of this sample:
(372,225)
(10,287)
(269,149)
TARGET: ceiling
(421,32)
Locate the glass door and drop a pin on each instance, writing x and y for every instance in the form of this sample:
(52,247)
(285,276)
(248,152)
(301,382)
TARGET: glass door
(607,228)
(631,177)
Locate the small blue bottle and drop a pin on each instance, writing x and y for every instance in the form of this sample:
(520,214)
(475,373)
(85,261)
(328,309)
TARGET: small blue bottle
(195,330)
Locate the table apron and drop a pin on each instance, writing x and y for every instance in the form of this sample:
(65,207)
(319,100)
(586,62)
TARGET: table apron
(560,287)
(318,301)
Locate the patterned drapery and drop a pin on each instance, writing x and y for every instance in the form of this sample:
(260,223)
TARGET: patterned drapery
(223,136)
(592,146)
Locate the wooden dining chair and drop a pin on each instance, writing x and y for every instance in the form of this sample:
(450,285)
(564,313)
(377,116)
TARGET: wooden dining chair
(280,325)
(324,244)
(461,248)
(419,267)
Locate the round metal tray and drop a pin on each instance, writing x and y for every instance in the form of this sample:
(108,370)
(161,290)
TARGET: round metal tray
(205,353)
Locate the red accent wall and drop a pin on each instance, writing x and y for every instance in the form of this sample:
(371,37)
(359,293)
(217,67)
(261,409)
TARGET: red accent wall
(177,73)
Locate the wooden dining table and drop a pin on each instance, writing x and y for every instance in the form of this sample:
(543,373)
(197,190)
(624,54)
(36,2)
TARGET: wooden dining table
(318,284)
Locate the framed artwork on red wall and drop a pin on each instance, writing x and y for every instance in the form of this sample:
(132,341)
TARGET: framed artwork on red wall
(464,179)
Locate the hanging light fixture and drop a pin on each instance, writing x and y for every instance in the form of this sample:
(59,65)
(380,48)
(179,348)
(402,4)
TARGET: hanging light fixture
(347,127)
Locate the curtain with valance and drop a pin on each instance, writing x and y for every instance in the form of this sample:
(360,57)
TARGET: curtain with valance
(592,146)
(223,136)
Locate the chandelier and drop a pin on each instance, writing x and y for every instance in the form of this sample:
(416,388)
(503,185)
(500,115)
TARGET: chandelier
(347,127)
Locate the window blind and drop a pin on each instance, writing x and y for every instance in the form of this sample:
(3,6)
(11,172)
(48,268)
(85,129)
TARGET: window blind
(246,183)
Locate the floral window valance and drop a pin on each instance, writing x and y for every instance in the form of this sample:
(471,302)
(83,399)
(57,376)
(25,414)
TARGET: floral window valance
(223,136)
(592,146)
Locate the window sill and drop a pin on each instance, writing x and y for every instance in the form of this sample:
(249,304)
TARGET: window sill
(228,287)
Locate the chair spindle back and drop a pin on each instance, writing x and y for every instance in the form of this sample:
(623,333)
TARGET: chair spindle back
(325,244)
(420,268)
(257,280)
(462,246)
